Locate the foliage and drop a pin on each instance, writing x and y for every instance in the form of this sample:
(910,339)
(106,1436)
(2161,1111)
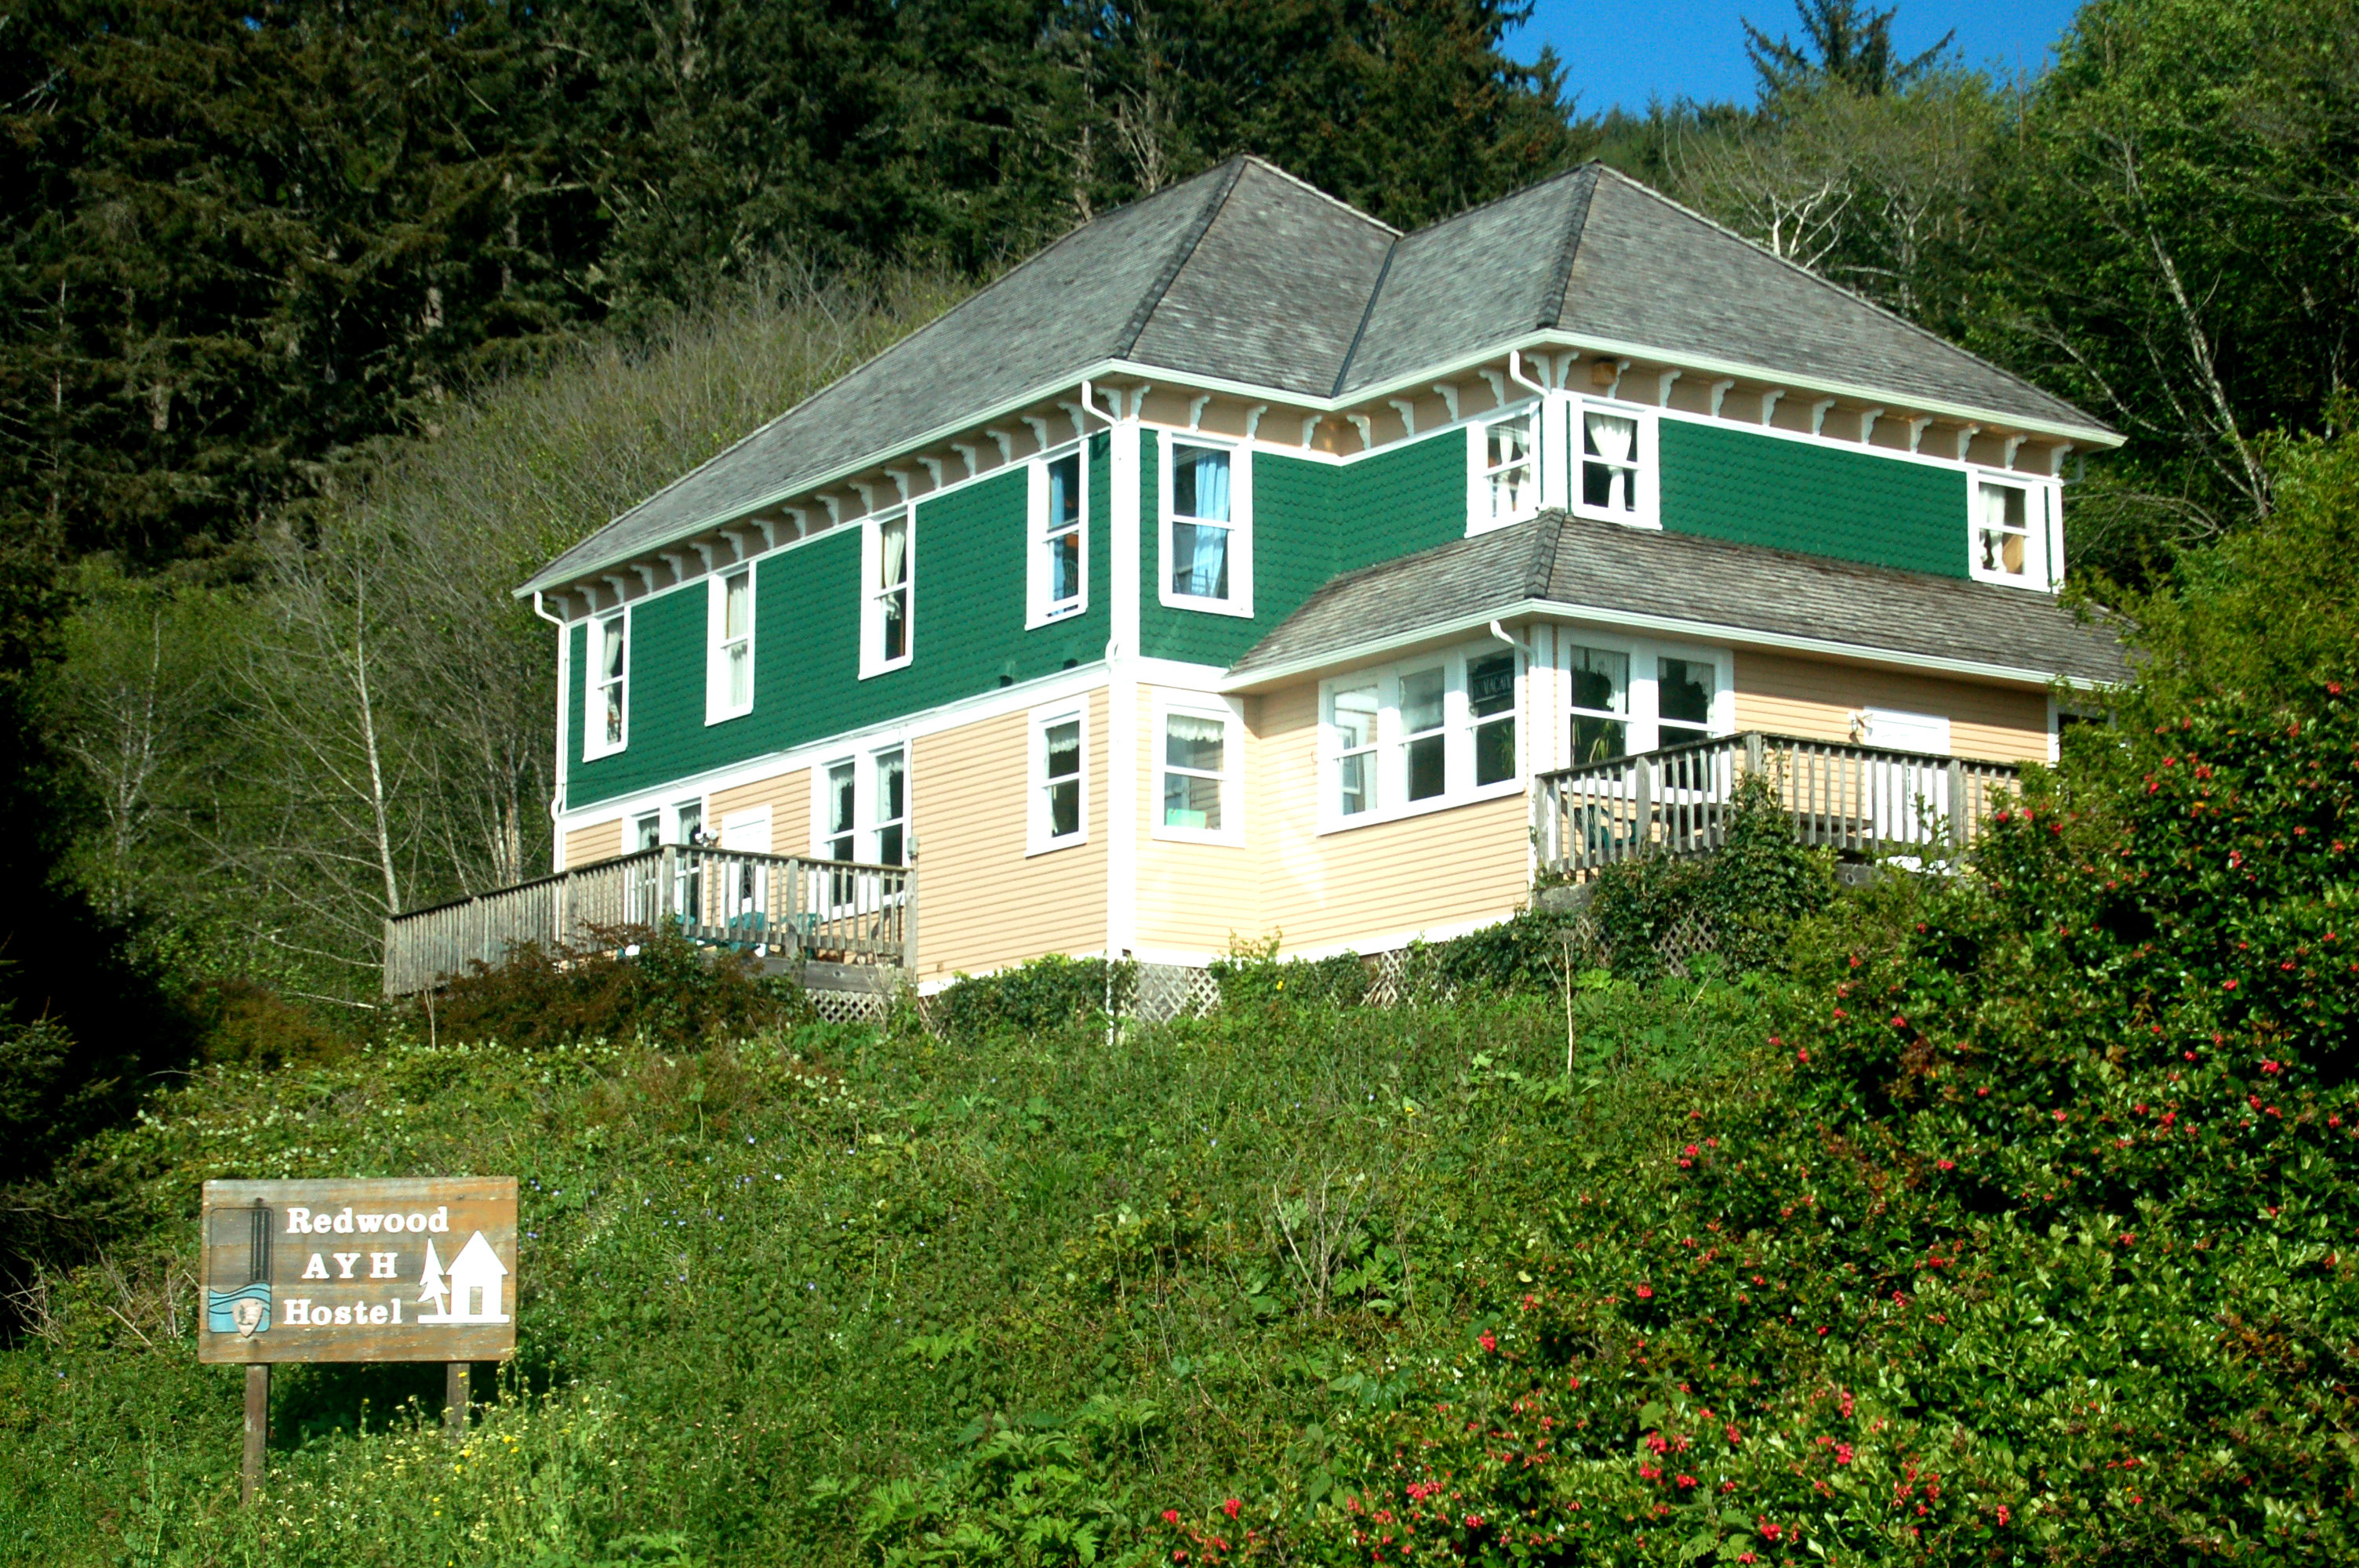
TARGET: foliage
(1046,994)
(636,983)
(1843,46)
(1256,982)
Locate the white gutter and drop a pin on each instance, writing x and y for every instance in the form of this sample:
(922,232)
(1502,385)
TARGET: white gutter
(1700,630)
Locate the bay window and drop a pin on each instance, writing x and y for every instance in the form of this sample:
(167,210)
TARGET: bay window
(1508,477)
(1426,734)
(1600,704)
(1206,539)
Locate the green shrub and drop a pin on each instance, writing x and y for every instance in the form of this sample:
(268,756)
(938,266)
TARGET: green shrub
(634,983)
(1255,981)
(1048,993)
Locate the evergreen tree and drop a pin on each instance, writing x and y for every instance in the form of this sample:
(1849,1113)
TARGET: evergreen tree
(1843,45)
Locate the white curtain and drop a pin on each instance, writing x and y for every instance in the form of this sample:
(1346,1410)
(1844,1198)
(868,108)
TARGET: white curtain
(892,553)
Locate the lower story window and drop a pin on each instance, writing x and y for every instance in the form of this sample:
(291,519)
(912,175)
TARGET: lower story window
(1058,811)
(1491,709)
(1683,693)
(1429,733)
(864,809)
(1198,774)
(1601,705)
(1425,745)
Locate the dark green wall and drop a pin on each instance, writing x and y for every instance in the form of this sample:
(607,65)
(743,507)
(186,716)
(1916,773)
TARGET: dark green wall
(1311,521)
(967,637)
(1794,495)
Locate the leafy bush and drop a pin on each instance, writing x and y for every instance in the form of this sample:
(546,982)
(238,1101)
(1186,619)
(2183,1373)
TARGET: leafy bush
(1255,981)
(636,983)
(1047,993)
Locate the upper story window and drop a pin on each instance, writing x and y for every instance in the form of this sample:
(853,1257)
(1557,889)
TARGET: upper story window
(1508,477)
(606,725)
(729,662)
(1058,812)
(1616,476)
(863,808)
(1060,539)
(886,567)
(2010,533)
(1207,535)
(1200,750)
(1424,733)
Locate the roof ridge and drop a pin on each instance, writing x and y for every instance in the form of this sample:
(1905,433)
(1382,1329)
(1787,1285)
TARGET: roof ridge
(1832,286)
(1376,292)
(1503,197)
(1153,299)
(1327,197)
(1576,227)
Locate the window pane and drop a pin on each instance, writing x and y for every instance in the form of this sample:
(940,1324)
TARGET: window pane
(1491,685)
(888,845)
(1353,714)
(1609,436)
(897,625)
(892,552)
(1598,740)
(1064,749)
(1065,808)
(741,675)
(1510,441)
(611,663)
(1200,483)
(1601,680)
(690,815)
(838,802)
(1684,694)
(890,803)
(1355,778)
(1190,742)
(1065,567)
(648,831)
(1190,802)
(614,715)
(1427,767)
(1199,561)
(1420,705)
(1065,492)
(736,600)
(1495,750)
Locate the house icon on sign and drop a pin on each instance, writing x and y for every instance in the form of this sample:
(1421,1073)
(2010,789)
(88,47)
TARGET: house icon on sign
(469,1290)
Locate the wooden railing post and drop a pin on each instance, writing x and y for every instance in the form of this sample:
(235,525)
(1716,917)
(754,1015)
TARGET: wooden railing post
(1642,796)
(1958,818)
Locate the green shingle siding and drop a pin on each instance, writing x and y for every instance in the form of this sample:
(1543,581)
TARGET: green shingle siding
(1310,520)
(967,637)
(1824,501)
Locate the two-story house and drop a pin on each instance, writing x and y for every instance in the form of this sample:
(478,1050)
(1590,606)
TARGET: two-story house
(1238,562)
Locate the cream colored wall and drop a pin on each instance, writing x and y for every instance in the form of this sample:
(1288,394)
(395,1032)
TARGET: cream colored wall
(1815,698)
(599,842)
(981,902)
(1356,887)
(788,797)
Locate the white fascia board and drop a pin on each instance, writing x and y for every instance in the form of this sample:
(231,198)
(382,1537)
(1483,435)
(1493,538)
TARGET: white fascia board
(1662,625)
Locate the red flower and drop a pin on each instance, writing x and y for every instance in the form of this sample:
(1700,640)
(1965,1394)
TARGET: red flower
(1646,1292)
(1231,1508)
(1170,1516)
(2002,1513)
(1487,1340)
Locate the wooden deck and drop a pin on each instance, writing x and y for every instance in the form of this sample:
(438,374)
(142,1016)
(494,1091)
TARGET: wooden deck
(1853,799)
(836,911)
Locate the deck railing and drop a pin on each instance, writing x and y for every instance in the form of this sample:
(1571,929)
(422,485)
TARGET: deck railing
(837,910)
(1857,799)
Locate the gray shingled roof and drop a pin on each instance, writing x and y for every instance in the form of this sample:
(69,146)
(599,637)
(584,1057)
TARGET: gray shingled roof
(1581,564)
(1245,274)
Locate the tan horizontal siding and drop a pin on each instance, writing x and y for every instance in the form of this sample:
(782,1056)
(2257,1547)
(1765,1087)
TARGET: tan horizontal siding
(1468,863)
(1816,698)
(1200,898)
(788,797)
(587,846)
(982,903)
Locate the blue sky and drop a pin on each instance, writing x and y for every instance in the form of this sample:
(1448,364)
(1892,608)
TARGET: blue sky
(1695,49)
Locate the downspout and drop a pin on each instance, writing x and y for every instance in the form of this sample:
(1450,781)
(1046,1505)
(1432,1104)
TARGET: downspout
(557,844)
(1547,437)
(1122,738)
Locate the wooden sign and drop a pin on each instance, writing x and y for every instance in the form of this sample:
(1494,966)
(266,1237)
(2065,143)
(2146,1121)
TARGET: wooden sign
(417,1270)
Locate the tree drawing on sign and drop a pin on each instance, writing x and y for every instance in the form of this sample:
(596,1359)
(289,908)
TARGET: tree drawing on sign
(469,1290)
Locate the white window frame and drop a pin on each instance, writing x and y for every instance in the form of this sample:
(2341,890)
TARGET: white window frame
(1040,609)
(1481,516)
(1642,723)
(1391,749)
(1240,598)
(1039,837)
(867,825)
(2040,509)
(1230,714)
(873,661)
(718,707)
(1645,462)
(595,743)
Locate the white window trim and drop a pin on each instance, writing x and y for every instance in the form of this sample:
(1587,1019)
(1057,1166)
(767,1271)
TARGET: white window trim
(717,705)
(1039,612)
(594,711)
(872,612)
(1458,746)
(1231,713)
(866,824)
(1038,840)
(1479,517)
(1646,458)
(1240,600)
(2042,509)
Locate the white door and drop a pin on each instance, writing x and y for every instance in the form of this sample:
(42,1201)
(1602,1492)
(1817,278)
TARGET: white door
(1909,801)
(747,884)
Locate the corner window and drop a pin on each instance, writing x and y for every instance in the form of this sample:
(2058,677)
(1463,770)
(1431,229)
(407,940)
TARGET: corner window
(1058,812)
(1601,705)
(606,725)
(885,551)
(729,659)
(1207,540)
(1615,472)
(1683,692)
(1060,539)
(1507,473)
(864,809)
(1198,753)
(1413,737)
(2009,533)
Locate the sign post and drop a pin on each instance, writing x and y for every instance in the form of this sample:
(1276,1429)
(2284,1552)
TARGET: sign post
(411,1270)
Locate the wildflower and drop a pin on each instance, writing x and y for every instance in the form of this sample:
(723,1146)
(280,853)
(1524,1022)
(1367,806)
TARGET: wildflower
(1646,1292)
(1487,1340)
(1170,1516)
(1230,1506)
(2002,1514)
